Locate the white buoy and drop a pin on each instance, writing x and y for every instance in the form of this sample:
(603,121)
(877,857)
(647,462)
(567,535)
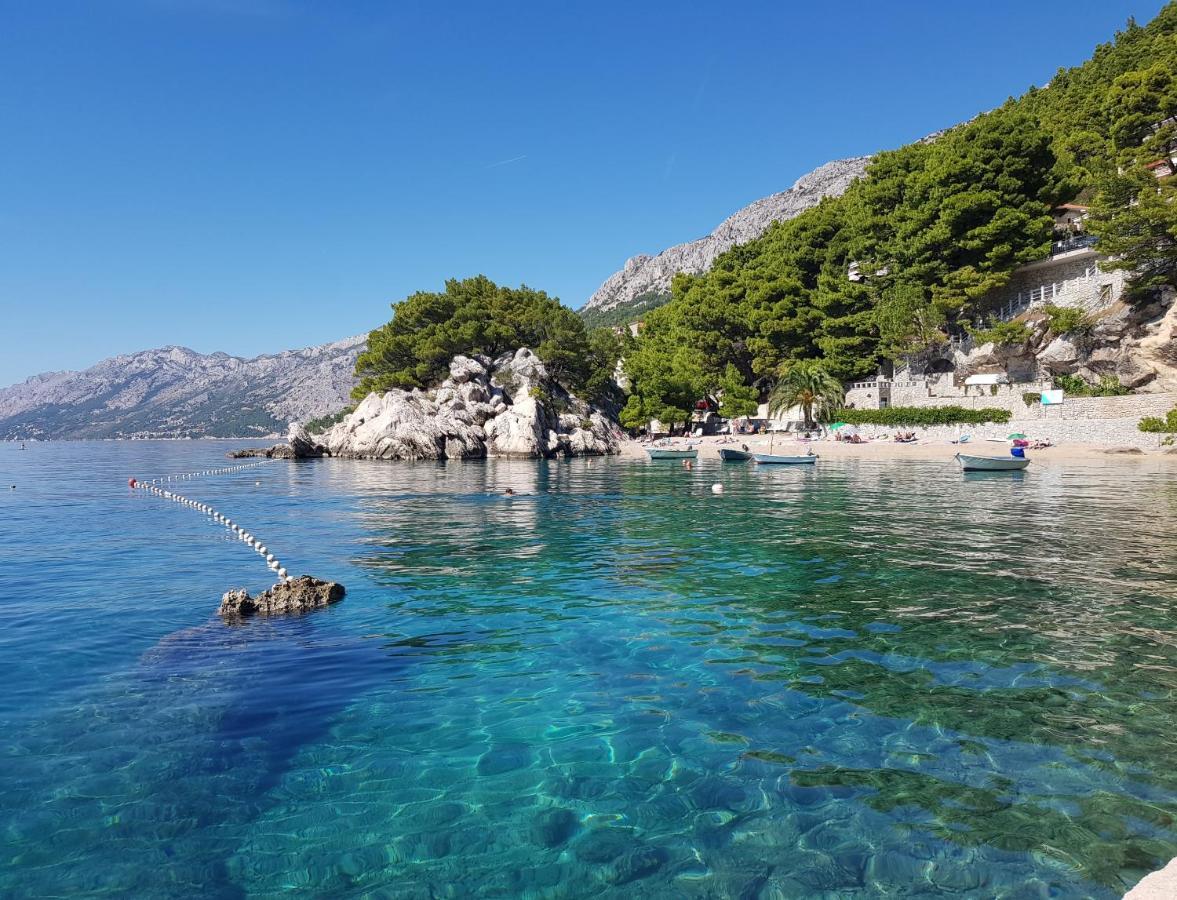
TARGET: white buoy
(717,488)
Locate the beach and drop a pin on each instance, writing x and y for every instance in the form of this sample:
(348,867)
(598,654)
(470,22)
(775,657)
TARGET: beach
(922,449)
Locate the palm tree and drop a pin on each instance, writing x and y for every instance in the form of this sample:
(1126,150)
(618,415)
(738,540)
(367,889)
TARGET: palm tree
(809,386)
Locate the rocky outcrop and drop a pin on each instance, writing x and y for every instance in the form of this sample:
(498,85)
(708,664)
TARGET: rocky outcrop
(643,275)
(509,407)
(1134,343)
(302,445)
(176,392)
(296,595)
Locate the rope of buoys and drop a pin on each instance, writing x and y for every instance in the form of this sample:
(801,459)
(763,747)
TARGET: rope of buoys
(224,470)
(244,536)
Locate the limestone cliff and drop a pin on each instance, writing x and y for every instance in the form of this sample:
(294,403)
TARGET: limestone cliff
(508,406)
(644,275)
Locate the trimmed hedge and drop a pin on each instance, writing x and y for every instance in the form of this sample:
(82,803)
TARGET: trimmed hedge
(923,416)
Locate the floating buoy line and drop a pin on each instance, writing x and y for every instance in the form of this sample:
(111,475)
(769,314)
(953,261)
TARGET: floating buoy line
(153,487)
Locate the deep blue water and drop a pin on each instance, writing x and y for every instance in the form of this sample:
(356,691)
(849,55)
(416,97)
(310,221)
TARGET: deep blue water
(865,680)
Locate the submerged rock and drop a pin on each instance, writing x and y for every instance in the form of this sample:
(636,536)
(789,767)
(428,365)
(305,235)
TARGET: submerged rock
(294,596)
(552,827)
(640,863)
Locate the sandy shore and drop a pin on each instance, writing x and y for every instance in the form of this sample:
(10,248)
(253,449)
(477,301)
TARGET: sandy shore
(923,449)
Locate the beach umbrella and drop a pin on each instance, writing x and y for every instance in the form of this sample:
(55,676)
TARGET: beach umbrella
(837,425)
(1016,436)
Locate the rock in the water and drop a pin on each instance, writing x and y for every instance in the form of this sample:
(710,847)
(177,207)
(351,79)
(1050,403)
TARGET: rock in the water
(294,596)
(553,827)
(251,452)
(302,445)
(602,845)
(1132,451)
(637,864)
(509,406)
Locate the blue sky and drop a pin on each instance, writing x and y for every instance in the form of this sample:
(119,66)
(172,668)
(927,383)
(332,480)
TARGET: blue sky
(255,175)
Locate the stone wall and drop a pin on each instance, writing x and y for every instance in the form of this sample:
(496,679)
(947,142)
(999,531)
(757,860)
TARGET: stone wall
(1071,279)
(942,390)
(1104,421)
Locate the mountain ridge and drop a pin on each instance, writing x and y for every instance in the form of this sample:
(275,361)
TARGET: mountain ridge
(644,275)
(176,392)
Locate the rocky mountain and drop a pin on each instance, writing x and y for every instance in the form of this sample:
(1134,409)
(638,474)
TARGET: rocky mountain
(643,279)
(176,392)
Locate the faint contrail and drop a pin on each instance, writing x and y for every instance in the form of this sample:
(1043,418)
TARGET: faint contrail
(506,162)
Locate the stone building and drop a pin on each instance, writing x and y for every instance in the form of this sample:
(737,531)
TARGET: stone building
(1069,276)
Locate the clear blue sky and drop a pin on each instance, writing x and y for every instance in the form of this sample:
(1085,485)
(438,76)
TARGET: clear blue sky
(255,175)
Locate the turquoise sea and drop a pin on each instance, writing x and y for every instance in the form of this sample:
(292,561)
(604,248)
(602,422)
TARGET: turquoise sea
(864,680)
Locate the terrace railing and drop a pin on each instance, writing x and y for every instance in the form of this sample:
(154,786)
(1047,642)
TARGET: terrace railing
(1075,242)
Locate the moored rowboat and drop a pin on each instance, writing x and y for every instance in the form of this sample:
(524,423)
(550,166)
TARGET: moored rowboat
(765,459)
(991,463)
(729,455)
(663,453)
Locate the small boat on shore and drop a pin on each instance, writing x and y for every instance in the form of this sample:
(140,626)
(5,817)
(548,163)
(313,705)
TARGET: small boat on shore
(991,463)
(668,453)
(727,454)
(767,459)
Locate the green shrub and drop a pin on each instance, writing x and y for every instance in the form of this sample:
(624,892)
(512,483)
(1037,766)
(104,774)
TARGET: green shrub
(1003,334)
(1157,425)
(321,424)
(1031,397)
(923,416)
(1067,319)
(1109,386)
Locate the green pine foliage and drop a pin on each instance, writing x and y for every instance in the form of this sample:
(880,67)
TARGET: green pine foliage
(477,316)
(1003,334)
(934,227)
(321,424)
(623,315)
(1067,320)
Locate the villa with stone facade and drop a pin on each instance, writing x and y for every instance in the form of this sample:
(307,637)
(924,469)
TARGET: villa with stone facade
(1069,276)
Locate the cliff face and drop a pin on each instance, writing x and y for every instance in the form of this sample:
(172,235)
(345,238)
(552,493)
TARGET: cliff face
(643,275)
(508,406)
(176,392)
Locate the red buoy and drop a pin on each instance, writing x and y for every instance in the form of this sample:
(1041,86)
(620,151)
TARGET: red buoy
(131,482)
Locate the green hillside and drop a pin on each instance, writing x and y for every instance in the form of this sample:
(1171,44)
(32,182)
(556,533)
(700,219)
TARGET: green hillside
(934,227)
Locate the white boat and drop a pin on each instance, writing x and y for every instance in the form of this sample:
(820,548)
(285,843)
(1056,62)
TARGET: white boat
(766,459)
(668,453)
(991,463)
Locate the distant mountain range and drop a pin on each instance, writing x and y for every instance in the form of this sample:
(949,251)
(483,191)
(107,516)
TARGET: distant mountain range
(175,392)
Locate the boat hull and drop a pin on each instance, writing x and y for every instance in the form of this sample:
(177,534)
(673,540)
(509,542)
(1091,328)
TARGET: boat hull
(672,454)
(734,455)
(991,463)
(768,459)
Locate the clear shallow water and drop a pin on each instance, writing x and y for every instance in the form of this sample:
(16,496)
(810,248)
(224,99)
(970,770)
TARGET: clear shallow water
(866,680)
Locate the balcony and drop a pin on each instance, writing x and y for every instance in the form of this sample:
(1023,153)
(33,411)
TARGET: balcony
(1074,242)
